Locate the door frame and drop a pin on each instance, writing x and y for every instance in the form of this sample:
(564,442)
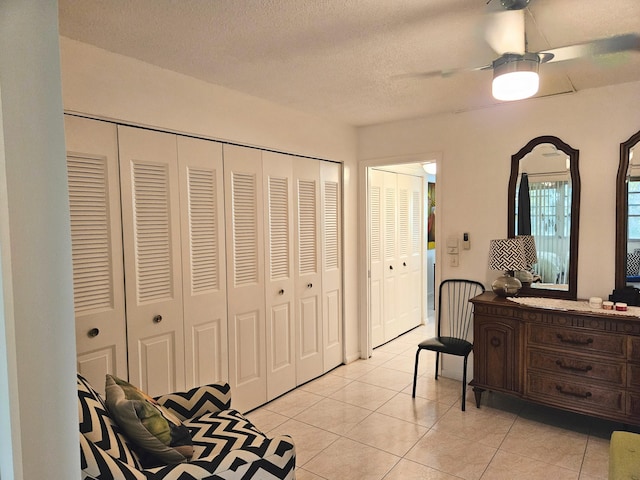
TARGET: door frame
(364,321)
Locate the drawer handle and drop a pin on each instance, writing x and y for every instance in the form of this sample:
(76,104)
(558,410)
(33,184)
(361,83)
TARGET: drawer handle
(93,333)
(573,394)
(495,342)
(588,341)
(561,364)
(157,319)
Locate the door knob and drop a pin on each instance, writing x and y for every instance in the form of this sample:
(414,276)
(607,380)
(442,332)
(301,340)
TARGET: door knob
(404,264)
(390,267)
(281,292)
(157,319)
(309,285)
(94,332)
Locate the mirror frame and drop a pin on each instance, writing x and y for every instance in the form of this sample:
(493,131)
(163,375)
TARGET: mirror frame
(573,154)
(622,210)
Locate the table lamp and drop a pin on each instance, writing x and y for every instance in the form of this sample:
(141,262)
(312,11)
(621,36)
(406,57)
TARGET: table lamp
(507,255)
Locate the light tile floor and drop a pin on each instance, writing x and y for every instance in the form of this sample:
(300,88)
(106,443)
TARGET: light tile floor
(359,422)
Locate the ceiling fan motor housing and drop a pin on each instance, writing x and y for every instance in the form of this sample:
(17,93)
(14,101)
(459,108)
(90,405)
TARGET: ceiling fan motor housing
(513,62)
(514,4)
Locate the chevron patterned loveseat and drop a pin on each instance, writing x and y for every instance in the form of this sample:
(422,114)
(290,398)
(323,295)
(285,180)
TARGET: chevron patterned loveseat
(225,444)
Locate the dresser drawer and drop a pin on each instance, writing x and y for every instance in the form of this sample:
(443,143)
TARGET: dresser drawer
(557,390)
(577,340)
(584,367)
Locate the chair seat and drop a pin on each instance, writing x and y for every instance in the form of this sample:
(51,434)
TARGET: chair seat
(450,345)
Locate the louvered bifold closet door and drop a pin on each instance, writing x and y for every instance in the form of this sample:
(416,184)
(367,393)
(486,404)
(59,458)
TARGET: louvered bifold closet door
(416,248)
(376,256)
(203,261)
(279,284)
(245,276)
(308,276)
(331,206)
(96,241)
(390,255)
(404,288)
(152,253)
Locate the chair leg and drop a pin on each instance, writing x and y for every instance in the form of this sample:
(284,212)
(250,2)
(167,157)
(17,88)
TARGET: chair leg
(415,374)
(464,384)
(437,362)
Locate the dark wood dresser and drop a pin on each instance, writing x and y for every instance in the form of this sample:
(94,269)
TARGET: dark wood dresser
(582,361)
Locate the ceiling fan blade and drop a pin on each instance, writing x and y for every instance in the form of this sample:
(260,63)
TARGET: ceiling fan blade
(504,31)
(603,46)
(444,73)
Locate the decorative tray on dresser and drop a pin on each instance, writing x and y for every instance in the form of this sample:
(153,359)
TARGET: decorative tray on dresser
(560,353)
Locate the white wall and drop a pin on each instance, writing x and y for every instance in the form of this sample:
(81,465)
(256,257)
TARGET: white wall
(110,86)
(473,173)
(38,403)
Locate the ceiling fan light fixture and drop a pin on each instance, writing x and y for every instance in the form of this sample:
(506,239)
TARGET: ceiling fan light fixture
(515,76)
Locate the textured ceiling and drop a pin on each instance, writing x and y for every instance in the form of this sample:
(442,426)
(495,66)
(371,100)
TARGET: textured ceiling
(346,59)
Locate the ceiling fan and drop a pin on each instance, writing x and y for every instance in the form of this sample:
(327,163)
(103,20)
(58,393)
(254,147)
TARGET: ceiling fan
(515,70)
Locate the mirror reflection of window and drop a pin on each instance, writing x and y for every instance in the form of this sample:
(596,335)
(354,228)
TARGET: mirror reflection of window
(633,230)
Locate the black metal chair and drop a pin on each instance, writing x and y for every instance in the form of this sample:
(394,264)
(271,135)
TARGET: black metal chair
(453,306)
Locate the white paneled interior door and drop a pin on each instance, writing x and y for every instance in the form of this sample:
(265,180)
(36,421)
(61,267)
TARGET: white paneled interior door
(204,262)
(331,206)
(279,283)
(245,276)
(96,238)
(308,277)
(152,254)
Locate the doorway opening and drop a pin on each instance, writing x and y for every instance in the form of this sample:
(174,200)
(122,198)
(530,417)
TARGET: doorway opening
(401,254)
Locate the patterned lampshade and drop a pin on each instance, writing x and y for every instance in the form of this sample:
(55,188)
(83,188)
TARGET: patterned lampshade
(507,254)
(529,249)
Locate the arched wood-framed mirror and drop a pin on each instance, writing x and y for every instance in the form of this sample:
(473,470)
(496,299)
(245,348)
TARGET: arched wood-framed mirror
(546,169)
(626,241)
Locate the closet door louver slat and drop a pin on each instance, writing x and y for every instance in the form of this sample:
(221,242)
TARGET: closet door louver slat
(90,233)
(307,234)
(153,241)
(331,245)
(204,233)
(245,235)
(375,219)
(279,215)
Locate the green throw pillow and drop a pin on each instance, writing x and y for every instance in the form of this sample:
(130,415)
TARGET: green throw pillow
(147,424)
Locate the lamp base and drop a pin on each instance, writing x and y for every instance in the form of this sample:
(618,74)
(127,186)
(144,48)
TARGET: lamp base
(506,285)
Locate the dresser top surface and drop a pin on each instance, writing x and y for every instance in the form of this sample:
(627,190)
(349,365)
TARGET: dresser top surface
(572,307)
